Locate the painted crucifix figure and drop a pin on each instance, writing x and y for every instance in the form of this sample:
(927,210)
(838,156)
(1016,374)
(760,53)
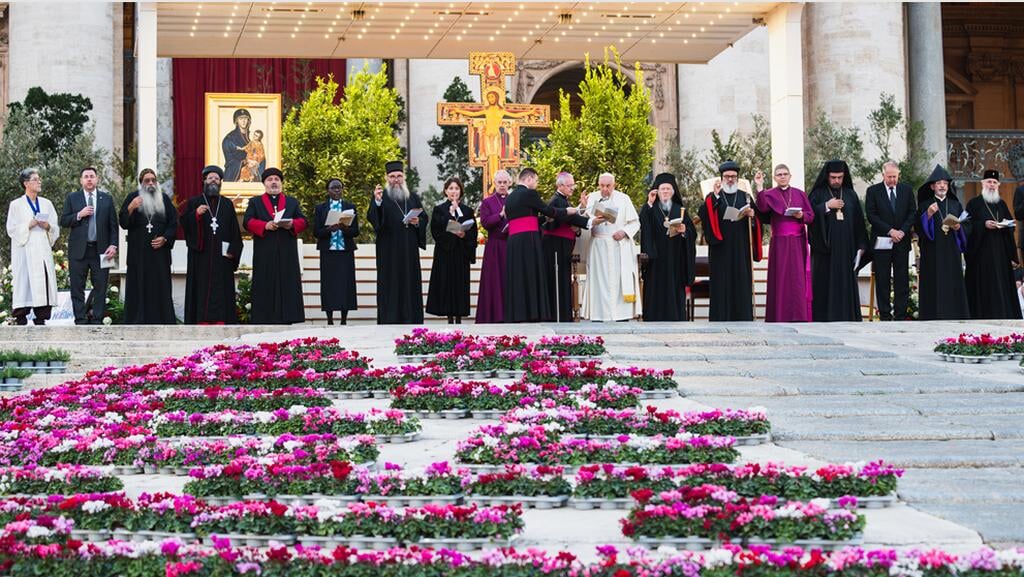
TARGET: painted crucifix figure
(494,123)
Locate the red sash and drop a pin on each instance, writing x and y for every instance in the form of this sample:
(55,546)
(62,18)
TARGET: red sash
(523,224)
(564,230)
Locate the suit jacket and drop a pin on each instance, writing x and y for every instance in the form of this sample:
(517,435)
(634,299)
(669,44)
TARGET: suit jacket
(106,223)
(1018,212)
(882,217)
(323,233)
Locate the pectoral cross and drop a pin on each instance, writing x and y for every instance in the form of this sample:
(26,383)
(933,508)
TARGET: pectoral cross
(213,225)
(494,123)
(149,228)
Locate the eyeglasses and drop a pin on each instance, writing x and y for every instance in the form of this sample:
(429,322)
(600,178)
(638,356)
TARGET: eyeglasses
(35,179)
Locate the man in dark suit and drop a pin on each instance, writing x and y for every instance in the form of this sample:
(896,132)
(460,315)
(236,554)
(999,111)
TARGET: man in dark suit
(90,215)
(890,209)
(1018,213)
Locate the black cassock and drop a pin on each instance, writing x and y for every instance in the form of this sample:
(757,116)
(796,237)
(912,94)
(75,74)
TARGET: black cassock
(991,288)
(558,238)
(448,294)
(671,265)
(147,299)
(730,248)
(399,279)
(337,267)
(942,294)
(210,282)
(834,245)
(526,282)
(276,276)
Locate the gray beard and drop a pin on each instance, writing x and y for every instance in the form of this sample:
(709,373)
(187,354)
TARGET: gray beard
(730,188)
(152,203)
(990,196)
(666,206)
(399,193)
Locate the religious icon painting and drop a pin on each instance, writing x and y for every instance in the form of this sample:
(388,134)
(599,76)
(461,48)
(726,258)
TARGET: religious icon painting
(243,135)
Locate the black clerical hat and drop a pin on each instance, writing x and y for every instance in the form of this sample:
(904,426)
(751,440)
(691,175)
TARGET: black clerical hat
(938,173)
(728,165)
(669,178)
(832,166)
(272,172)
(393,166)
(990,174)
(213,168)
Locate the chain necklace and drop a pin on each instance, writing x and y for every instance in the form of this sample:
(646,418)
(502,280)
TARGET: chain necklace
(989,209)
(662,211)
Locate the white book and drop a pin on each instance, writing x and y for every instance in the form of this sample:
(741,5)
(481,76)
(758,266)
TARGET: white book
(883,243)
(456,226)
(791,211)
(344,217)
(672,224)
(1007,223)
(731,213)
(108,262)
(413,213)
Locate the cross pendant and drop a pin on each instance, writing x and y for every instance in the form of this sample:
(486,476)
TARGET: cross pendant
(213,225)
(149,227)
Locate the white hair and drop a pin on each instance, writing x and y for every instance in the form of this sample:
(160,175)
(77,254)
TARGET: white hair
(562,178)
(891,164)
(503,173)
(399,192)
(606,175)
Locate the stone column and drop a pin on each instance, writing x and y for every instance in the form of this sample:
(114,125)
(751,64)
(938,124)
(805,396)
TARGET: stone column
(145,84)
(401,76)
(785,70)
(79,60)
(853,52)
(927,76)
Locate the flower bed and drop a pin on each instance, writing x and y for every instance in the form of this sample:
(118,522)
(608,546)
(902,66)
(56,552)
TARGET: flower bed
(178,458)
(980,348)
(217,399)
(542,487)
(60,480)
(575,374)
(513,443)
(571,345)
(647,422)
(430,395)
(295,420)
(714,512)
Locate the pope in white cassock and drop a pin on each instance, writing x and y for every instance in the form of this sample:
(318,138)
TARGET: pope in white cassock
(32,224)
(613,285)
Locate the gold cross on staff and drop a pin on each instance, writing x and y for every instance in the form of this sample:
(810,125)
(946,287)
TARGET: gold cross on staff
(494,123)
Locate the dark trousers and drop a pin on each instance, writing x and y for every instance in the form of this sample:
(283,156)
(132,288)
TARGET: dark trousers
(891,276)
(42,315)
(90,265)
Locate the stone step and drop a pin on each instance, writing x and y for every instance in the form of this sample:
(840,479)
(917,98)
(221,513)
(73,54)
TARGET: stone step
(952,454)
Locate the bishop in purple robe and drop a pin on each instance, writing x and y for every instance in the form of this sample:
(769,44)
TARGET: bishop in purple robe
(490,306)
(789,279)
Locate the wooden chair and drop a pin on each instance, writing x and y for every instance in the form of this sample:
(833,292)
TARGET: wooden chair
(701,288)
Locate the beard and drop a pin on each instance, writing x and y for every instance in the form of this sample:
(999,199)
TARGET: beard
(666,205)
(152,200)
(990,196)
(731,188)
(211,189)
(399,192)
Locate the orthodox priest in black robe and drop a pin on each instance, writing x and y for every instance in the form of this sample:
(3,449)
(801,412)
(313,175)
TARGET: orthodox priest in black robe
(275,221)
(991,255)
(558,236)
(151,220)
(454,252)
(732,246)
(399,240)
(942,294)
(526,281)
(214,250)
(671,260)
(838,235)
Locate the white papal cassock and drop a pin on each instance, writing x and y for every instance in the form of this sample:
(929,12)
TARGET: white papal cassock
(612,291)
(35,280)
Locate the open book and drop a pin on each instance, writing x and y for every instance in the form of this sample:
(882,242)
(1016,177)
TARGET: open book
(610,213)
(413,213)
(345,217)
(1007,223)
(791,211)
(455,226)
(672,224)
(279,217)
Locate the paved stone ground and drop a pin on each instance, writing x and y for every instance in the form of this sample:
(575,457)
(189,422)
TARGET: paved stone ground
(837,392)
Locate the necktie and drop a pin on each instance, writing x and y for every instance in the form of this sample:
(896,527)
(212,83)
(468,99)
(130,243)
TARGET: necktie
(92,219)
(892,198)
(337,239)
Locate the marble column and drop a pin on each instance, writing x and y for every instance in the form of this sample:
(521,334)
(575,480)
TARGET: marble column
(66,47)
(853,52)
(927,75)
(145,84)
(785,69)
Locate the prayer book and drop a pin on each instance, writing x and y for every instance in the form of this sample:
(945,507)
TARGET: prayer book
(107,262)
(42,217)
(413,213)
(610,213)
(950,220)
(1006,223)
(344,217)
(791,211)
(731,213)
(883,243)
(456,226)
(224,248)
(672,230)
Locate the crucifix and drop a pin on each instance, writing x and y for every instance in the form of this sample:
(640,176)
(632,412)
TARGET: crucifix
(494,123)
(214,224)
(149,227)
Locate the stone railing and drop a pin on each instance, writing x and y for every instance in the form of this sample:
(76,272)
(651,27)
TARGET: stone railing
(971,152)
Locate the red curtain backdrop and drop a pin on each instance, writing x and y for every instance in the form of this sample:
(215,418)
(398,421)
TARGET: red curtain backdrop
(194,77)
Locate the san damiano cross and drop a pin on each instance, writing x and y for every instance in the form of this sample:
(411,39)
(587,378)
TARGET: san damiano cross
(494,123)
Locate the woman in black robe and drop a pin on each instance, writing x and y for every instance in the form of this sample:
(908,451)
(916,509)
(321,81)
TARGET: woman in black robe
(454,252)
(526,283)
(942,294)
(671,265)
(337,245)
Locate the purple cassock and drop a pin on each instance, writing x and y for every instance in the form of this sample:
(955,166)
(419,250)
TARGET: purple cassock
(490,306)
(789,269)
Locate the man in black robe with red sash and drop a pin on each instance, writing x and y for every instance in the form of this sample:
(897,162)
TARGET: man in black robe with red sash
(732,246)
(839,240)
(214,250)
(559,237)
(275,221)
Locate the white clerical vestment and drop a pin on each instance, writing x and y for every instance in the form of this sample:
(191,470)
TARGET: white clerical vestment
(32,271)
(612,291)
